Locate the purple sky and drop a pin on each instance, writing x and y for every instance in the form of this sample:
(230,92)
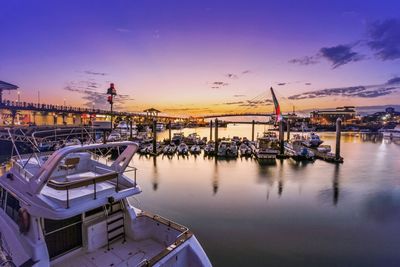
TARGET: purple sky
(202,56)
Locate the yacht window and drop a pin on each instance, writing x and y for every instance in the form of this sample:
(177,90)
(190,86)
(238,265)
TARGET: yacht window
(63,236)
(94,211)
(12,207)
(2,197)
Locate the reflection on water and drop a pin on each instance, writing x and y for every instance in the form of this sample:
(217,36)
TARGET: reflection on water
(286,213)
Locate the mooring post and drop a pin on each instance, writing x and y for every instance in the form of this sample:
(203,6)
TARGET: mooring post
(211,123)
(154,136)
(252,130)
(281,138)
(104,137)
(216,136)
(130,129)
(288,130)
(169,131)
(338,134)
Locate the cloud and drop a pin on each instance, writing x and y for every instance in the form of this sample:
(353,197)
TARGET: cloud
(246,71)
(368,91)
(340,55)
(217,85)
(90,93)
(384,39)
(307,83)
(123,30)
(239,95)
(234,103)
(281,84)
(256,103)
(231,76)
(395,80)
(305,61)
(95,73)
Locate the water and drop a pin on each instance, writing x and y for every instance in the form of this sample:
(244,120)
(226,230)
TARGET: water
(287,214)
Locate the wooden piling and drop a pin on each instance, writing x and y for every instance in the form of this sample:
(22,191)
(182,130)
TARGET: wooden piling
(281,139)
(211,128)
(169,131)
(288,130)
(130,129)
(154,136)
(338,135)
(216,136)
(253,123)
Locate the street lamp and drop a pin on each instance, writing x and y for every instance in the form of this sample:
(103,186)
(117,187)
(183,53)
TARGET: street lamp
(110,99)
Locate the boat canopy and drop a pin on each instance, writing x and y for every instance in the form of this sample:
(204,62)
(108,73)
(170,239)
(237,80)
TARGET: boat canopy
(119,165)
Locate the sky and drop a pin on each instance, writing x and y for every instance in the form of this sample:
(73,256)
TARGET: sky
(200,56)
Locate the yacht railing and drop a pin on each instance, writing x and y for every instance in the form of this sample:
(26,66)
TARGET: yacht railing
(85,181)
(184,235)
(21,169)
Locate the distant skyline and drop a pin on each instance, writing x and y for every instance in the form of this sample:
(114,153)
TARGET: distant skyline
(202,57)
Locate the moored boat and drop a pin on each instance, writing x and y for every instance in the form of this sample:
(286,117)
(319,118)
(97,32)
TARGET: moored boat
(72,209)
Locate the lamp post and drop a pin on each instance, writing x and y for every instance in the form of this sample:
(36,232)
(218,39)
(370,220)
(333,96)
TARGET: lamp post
(19,96)
(111,93)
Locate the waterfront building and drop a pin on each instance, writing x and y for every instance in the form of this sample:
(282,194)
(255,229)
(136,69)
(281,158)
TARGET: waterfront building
(325,117)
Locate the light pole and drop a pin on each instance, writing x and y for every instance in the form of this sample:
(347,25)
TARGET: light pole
(111,93)
(19,96)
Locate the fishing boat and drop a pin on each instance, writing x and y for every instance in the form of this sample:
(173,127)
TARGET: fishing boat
(312,140)
(209,149)
(267,146)
(172,149)
(296,149)
(195,149)
(160,127)
(114,136)
(227,149)
(245,150)
(177,138)
(73,208)
(192,139)
(183,149)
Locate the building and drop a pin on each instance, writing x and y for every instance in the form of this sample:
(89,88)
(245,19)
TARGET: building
(346,113)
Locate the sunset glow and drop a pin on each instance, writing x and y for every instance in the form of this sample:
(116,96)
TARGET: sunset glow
(202,57)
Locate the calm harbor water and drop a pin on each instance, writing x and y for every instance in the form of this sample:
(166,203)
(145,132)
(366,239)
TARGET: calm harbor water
(287,214)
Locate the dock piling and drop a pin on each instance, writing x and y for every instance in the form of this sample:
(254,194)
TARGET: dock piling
(281,138)
(130,129)
(288,130)
(252,130)
(169,131)
(216,136)
(338,135)
(154,137)
(211,127)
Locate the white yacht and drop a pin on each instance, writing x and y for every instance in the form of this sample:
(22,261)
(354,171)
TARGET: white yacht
(245,150)
(114,136)
(72,208)
(227,149)
(182,149)
(312,140)
(195,149)
(160,127)
(296,149)
(267,146)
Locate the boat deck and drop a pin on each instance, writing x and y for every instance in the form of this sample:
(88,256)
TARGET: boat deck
(129,253)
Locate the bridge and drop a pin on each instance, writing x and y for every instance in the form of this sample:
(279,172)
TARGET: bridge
(247,114)
(60,110)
